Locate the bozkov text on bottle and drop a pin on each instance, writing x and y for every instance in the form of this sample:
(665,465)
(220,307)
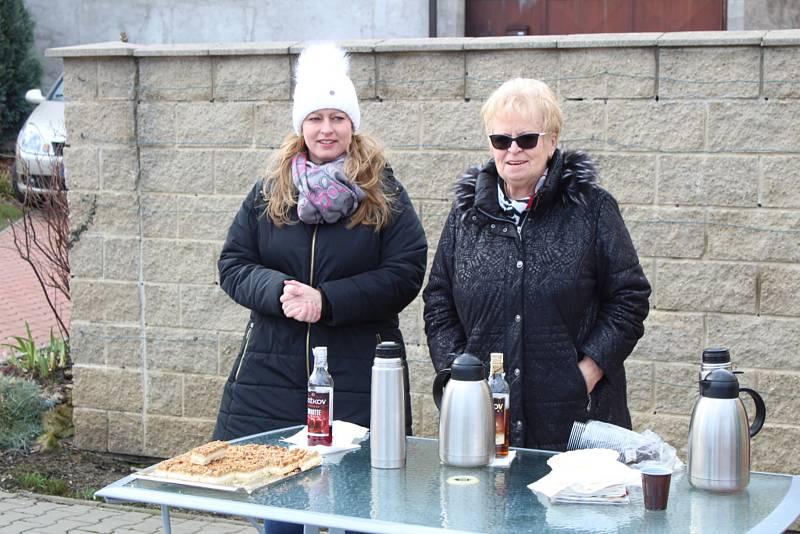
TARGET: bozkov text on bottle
(320,401)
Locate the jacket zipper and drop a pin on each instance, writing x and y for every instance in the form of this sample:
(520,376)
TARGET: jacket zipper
(506,221)
(244,352)
(311,283)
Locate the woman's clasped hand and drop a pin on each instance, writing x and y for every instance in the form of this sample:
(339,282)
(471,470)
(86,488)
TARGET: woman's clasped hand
(301,302)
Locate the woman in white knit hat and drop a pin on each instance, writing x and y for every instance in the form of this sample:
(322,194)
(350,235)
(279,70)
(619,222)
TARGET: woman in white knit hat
(326,250)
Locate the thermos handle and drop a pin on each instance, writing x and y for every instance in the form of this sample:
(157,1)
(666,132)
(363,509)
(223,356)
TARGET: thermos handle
(438,386)
(761,410)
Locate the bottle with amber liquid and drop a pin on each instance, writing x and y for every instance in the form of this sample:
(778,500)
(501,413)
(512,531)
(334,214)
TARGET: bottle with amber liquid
(320,401)
(500,399)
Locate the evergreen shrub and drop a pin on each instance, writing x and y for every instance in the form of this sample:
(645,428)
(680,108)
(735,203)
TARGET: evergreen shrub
(21,408)
(20,69)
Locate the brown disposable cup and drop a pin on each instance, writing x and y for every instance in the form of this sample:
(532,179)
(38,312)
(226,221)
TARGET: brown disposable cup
(655,486)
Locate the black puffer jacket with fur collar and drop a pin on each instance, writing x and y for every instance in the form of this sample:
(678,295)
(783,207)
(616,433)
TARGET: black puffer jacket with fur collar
(568,284)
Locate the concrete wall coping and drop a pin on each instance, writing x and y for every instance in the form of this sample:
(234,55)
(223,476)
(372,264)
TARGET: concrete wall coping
(511,42)
(109,48)
(169,50)
(609,40)
(251,49)
(423,44)
(600,40)
(356,46)
(715,38)
(781,38)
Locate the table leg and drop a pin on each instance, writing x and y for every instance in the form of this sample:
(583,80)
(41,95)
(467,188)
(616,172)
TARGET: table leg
(310,529)
(165,519)
(260,527)
(335,531)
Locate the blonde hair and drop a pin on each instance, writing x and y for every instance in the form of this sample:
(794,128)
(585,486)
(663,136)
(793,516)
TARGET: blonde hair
(525,97)
(364,165)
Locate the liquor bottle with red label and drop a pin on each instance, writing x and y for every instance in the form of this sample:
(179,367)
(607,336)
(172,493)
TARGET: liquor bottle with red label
(500,398)
(320,401)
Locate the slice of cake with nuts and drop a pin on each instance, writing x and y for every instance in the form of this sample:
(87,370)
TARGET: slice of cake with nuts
(243,466)
(205,454)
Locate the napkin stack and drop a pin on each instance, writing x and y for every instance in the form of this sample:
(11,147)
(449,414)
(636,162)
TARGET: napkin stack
(587,476)
(346,437)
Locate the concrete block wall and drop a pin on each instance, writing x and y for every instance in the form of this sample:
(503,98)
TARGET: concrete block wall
(696,134)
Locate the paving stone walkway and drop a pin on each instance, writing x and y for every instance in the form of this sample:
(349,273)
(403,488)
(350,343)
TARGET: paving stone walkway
(21,297)
(40,514)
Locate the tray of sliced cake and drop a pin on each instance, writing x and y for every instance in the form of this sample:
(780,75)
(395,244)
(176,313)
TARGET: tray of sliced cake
(222,466)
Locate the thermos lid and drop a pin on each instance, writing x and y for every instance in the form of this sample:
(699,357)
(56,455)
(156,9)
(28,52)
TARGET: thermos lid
(720,384)
(716,355)
(467,368)
(387,349)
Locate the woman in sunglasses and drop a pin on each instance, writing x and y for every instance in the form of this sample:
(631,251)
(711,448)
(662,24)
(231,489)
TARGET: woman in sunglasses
(535,261)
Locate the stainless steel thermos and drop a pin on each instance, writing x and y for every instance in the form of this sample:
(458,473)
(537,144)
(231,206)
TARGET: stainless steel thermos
(387,428)
(466,414)
(719,435)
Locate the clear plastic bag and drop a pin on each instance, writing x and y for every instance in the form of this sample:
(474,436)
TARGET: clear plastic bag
(635,449)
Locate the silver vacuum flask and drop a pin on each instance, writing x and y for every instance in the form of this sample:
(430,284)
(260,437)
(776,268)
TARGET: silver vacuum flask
(387,428)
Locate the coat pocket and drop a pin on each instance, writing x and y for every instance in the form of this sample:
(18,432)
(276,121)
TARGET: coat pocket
(581,393)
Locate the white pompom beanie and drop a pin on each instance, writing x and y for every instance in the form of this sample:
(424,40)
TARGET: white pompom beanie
(321,82)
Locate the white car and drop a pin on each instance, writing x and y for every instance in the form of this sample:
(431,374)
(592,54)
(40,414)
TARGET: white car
(40,144)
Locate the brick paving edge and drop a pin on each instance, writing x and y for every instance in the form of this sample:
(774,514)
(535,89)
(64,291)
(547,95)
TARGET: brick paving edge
(152,509)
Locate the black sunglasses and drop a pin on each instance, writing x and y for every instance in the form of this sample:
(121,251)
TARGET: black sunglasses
(524,141)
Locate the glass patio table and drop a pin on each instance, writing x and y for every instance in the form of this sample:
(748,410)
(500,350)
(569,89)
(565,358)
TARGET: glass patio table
(427,497)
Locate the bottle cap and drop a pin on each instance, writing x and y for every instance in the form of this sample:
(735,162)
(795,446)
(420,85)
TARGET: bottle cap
(716,355)
(388,349)
(497,359)
(320,353)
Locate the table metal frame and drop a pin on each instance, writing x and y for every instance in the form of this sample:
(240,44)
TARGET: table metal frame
(780,518)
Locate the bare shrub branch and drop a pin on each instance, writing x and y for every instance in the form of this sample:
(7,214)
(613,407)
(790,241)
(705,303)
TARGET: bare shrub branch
(43,239)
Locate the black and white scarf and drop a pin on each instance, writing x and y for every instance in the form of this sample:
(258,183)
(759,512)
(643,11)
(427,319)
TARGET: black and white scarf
(517,208)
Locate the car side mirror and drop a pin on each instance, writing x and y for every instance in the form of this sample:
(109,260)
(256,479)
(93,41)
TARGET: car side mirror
(34,96)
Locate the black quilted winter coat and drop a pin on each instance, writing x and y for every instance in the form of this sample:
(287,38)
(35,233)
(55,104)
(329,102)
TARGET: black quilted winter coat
(366,279)
(568,284)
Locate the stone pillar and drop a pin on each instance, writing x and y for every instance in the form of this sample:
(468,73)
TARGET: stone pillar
(101,158)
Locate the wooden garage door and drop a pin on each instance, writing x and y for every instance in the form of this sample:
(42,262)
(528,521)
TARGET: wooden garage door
(559,17)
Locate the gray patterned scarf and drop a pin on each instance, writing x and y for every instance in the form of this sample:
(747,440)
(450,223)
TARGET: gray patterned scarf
(324,192)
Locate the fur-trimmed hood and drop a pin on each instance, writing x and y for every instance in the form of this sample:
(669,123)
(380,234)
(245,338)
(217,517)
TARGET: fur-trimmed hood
(570,176)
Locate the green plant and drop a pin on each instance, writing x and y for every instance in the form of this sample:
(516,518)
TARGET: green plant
(8,212)
(55,354)
(86,494)
(37,363)
(24,355)
(39,483)
(19,67)
(21,407)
